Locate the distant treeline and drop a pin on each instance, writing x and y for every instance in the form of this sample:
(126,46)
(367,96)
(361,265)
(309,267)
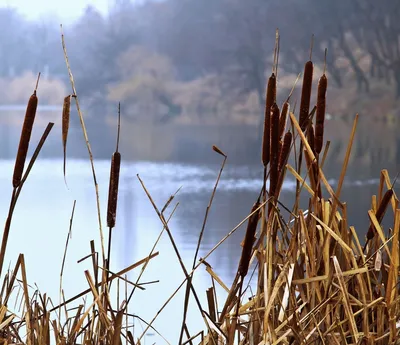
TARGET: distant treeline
(203,61)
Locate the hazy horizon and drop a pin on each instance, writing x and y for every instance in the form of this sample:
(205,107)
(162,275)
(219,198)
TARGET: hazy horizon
(65,11)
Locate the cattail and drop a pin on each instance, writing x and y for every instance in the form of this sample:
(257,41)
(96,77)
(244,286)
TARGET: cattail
(380,212)
(218,150)
(286,109)
(65,127)
(249,240)
(270,99)
(306,94)
(25,137)
(114,181)
(284,153)
(285,150)
(320,116)
(113,189)
(283,118)
(274,149)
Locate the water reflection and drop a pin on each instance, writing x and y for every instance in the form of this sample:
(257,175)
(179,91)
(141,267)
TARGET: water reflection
(42,219)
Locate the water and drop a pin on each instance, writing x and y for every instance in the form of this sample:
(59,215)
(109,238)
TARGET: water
(41,223)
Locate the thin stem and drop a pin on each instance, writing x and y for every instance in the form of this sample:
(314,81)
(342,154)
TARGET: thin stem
(71,78)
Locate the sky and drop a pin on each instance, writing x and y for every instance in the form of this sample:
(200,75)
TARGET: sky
(65,10)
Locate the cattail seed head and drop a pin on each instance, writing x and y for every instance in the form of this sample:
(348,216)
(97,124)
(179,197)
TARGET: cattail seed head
(274,147)
(285,150)
(249,241)
(270,99)
(306,94)
(65,127)
(320,115)
(283,118)
(274,153)
(113,189)
(25,139)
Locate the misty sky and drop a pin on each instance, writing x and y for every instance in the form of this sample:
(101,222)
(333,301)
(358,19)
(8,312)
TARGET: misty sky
(65,10)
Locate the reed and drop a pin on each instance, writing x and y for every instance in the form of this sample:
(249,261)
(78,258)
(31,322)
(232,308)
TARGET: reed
(380,213)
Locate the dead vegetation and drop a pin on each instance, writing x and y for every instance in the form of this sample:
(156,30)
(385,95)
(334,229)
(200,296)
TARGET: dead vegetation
(316,282)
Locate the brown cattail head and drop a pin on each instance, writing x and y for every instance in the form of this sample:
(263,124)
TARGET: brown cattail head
(274,153)
(25,139)
(285,151)
(65,127)
(283,118)
(380,212)
(218,150)
(113,189)
(270,99)
(274,147)
(249,241)
(320,116)
(114,179)
(306,94)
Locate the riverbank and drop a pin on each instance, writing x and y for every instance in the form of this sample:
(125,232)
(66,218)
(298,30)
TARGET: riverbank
(179,143)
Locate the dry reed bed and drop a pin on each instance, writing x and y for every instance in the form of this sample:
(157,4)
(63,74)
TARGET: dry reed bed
(315,281)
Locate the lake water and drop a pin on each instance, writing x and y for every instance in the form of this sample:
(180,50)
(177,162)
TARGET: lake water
(41,223)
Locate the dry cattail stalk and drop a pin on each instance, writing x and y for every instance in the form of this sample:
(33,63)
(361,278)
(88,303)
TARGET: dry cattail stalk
(320,116)
(269,101)
(274,149)
(25,137)
(65,127)
(380,213)
(249,240)
(311,137)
